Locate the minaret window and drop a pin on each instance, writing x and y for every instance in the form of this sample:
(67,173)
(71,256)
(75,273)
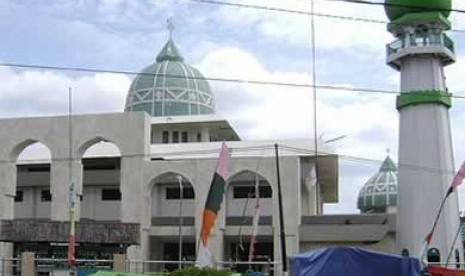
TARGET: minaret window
(165,137)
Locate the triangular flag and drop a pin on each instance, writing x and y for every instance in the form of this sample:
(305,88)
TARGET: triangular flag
(458,179)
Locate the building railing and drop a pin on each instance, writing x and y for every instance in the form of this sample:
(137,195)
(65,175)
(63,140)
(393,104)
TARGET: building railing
(10,267)
(420,40)
(52,266)
(160,267)
(48,265)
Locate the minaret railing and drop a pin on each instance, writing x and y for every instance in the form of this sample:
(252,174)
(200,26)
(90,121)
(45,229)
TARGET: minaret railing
(420,39)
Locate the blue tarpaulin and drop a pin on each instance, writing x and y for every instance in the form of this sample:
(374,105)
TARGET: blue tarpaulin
(351,261)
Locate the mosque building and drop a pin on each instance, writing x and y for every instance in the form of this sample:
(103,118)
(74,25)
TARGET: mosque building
(141,176)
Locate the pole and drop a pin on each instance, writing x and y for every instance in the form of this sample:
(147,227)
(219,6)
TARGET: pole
(451,250)
(72,222)
(180,221)
(281,217)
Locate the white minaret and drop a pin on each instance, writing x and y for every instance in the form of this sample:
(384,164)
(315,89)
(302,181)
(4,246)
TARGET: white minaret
(420,52)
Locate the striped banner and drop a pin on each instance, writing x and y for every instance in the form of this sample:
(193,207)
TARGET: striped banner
(213,205)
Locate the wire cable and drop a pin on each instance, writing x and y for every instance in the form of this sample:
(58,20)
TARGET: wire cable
(216,79)
(212,154)
(275,9)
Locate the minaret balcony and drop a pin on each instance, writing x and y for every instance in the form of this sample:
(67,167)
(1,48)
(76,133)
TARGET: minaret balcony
(438,44)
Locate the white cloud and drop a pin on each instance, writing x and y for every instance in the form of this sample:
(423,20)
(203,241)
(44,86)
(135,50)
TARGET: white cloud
(32,93)
(332,33)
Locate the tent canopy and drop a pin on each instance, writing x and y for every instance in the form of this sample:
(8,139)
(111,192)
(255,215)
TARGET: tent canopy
(351,261)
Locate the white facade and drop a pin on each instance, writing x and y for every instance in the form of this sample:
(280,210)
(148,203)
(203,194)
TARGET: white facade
(133,180)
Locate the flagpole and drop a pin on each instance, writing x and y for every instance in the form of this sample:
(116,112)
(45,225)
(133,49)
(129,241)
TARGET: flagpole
(281,216)
(181,196)
(72,211)
(256,217)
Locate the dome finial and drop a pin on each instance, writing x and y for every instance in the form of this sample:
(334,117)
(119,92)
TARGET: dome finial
(170,26)
(169,51)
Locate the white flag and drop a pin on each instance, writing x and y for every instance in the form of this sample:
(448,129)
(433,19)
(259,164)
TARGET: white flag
(311,179)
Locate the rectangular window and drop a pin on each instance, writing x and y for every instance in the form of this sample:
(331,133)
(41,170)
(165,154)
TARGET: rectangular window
(111,194)
(199,137)
(184,136)
(19,196)
(173,193)
(175,137)
(45,196)
(249,191)
(165,137)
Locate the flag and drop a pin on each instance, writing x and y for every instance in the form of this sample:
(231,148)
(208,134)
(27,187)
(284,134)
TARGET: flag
(458,179)
(256,217)
(213,205)
(311,179)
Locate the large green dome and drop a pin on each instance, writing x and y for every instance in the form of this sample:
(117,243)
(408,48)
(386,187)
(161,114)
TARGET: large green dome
(170,87)
(380,191)
(397,8)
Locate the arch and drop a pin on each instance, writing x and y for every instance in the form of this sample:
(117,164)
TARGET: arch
(241,190)
(166,197)
(33,162)
(93,143)
(249,178)
(22,147)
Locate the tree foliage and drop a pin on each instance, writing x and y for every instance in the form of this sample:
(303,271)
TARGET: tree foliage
(195,271)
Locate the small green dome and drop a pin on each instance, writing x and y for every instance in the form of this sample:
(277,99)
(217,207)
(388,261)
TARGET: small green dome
(170,87)
(380,191)
(397,8)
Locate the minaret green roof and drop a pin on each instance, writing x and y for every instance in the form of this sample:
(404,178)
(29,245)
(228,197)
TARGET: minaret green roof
(398,8)
(169,52)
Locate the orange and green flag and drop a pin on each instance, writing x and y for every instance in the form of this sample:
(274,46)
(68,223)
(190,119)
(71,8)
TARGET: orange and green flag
(213,205)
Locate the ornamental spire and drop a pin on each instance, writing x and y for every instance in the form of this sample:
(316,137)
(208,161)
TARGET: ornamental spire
(170,51)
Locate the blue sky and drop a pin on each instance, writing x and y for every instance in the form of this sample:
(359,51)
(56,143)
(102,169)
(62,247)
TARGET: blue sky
(227,42)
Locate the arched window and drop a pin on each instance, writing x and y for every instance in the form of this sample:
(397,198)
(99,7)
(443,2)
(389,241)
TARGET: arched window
(405,252)
(434,256)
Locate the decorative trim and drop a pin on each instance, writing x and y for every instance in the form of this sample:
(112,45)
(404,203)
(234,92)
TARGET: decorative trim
(423,97)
